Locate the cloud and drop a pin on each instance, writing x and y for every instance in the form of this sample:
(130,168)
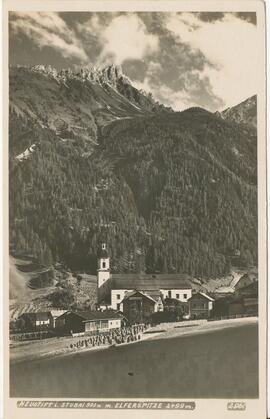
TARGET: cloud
(230,46)
(184,59)
(192,90)
(124,38)
(179,100)
(48,30)
(212,16)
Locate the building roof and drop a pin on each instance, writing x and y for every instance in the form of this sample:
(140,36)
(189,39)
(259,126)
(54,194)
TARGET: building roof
(94,315)
(203,295)
(57,313)
(38,315)
(150,282)
(43,315)
(100,315)
(155,294)
(131,293)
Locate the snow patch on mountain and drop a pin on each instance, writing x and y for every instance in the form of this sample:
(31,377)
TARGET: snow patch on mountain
(27,153)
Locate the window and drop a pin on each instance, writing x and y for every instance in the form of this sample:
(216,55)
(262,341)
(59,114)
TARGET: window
(118,306)
(185,296)
(103,264)
(118,296)
(169,294)
(177,296)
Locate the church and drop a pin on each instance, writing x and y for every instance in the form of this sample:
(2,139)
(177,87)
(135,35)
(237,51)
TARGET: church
(114,289)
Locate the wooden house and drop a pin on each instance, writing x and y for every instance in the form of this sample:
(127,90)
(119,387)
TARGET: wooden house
(92,321)
(139,306)
(35,321)
(200,305)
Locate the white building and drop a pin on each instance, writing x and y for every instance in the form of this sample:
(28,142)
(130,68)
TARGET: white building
(112,288)
(88,321)
(102,324)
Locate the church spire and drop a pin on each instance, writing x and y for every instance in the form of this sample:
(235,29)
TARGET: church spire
(103,265)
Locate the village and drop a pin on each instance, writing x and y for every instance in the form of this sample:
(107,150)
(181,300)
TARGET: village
(130,308)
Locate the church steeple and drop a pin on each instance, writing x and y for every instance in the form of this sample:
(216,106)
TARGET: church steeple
(103,266)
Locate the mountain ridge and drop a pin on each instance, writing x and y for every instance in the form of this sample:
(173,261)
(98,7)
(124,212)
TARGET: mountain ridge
(244,112)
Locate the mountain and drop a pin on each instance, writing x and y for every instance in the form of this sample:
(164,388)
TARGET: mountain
(76,103)
(92,158)
(244,113)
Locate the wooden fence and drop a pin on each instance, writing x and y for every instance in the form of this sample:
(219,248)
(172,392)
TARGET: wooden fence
(42,334)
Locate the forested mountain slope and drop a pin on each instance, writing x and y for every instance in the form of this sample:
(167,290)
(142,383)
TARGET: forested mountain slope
(74,105)
(168,191)
(243,113)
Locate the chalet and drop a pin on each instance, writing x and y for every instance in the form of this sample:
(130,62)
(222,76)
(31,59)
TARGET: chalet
(138,306)
(200,305)
(34,321)
(112,288)
(92,321)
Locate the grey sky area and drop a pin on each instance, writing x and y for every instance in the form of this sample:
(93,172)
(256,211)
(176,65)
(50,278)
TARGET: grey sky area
(184,59)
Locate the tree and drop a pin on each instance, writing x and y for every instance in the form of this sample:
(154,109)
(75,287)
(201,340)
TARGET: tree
(62,298)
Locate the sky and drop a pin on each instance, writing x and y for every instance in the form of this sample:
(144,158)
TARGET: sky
(183,59)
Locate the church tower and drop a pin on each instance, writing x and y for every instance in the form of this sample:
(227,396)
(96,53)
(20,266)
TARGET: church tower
(103,266)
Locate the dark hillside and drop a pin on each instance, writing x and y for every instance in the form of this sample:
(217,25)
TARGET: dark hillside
(168,191)
(193,177)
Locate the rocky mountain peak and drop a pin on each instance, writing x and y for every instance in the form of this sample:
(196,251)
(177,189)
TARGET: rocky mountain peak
(111,74)
(45,69)
(103,79)
(107,75)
